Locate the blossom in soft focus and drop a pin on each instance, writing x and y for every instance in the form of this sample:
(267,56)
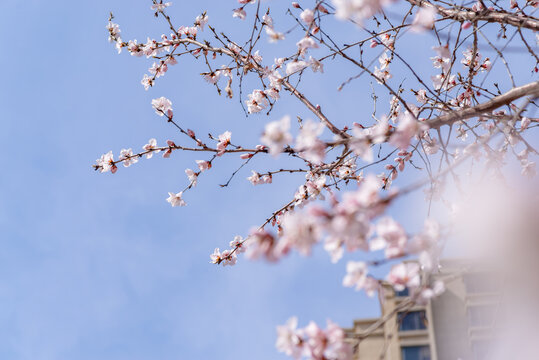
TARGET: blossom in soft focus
(357,10)
(312,341)
(356,274)
(307,16)
(288,339)
(424,19)
(276,135)
(407,128)
(307,142)
(404,275)
(391,237)
(300,232)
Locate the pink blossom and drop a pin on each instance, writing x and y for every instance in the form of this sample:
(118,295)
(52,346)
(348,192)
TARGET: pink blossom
(305,44)
(428,293)
(151,148)
(162,106)
(191,31)
(382,75)
(295,66)
(442,81)
(430,144)
(213,77)
(192,176)
(313,342)
(337,347)
(316,65)
(310,146)
(442,51)
(261,244)
(317,341)
(171,146)
(126,156)
(150,48)
(357,10)
(441,62)
(161,6)
(384,60)
(106,163)
(307,16)
(257,57)
(424,19)
(346,169)
(300,232)
(422,96)
(228,257)
(203,165)
(368,193)
(256,179)
(267,20)
(216,256)
(134,48)
(391,237)
(371,286)
(171,60)
(146,81)
(201,21)
(361,144)
(528,168)
(272,93)
(356,274)
(408,127)
(158,69)
(256,102)
(276,135)
(224,141)
(239,13)
(274,36)
(237,244)
(288,339)
(404,275)
(176,199)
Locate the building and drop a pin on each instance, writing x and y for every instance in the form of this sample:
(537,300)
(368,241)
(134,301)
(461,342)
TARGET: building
(458,324)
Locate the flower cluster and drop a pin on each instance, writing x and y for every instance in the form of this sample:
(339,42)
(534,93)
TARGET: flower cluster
(312,342)
(335,206)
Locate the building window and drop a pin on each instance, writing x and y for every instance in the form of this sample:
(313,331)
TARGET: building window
(402,293)
(481,315)
(477,283)
(413,320)
(415,352)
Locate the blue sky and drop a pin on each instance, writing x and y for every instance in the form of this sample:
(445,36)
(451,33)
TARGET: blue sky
(99,265)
